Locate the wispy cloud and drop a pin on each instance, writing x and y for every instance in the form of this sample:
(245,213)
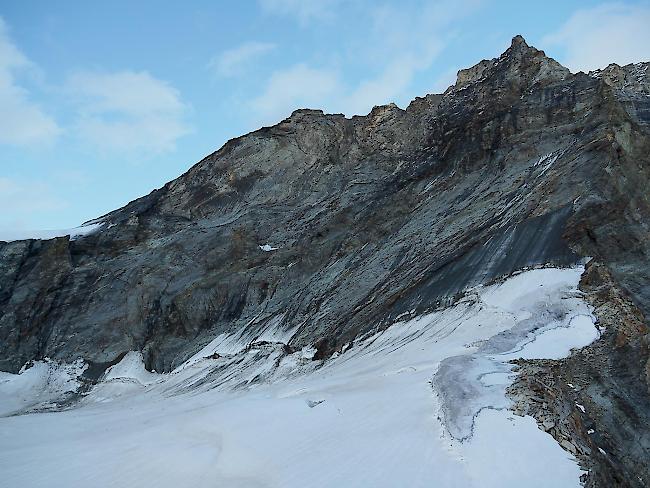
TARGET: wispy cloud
(303,11)
(396,44)
(127,112)
(402,41)
(295,87)
(387,87)
(22,121)
(234,61)
(610,33)
(445,80)
(26,198)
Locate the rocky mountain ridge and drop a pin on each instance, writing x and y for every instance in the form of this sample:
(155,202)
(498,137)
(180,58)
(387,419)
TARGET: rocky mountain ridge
(331,227)
(337,197)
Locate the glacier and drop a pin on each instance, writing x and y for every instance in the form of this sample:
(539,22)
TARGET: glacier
(420,403)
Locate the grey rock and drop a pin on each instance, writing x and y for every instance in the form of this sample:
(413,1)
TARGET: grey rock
(519,163)
(609,378)
(371,215)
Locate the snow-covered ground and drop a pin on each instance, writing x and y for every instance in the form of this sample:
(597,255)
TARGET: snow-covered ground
(419,404)
(75,233)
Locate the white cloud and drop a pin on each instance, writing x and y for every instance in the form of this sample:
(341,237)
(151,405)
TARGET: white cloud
(387,87)
(22,122)
(397,44)
(297,87)
(303,10)
(26,198)
(233,61)
(301,86)
(610,33)
(127,112)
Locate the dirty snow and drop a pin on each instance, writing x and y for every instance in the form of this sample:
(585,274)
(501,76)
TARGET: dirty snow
(547,318)
(374,415)
(8,235)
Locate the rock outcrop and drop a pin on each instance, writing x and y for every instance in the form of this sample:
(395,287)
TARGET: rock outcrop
(331,227)
(595,402)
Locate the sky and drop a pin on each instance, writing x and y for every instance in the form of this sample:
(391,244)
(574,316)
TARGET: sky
(101,102)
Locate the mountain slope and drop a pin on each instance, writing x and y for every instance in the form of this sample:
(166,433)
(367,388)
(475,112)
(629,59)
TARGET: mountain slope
(326,228)
(252,415)
(371,216)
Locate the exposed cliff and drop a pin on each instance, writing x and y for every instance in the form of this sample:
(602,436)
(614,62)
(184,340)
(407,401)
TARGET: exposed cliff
(371,216)
(331,226)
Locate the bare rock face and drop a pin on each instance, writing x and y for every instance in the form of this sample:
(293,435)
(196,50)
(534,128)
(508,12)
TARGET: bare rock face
(632,78)
(524,63)
(631,84)
(333,226)
(364,217)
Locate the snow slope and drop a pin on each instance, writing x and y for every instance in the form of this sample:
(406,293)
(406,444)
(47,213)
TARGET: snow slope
(8,235)
(419,404)
(41,385)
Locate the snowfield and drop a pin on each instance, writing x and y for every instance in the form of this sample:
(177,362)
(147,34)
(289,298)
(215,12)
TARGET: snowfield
(420,404)
(88,228)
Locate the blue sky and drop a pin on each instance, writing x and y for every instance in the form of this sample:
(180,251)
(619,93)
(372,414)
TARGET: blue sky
(100,102)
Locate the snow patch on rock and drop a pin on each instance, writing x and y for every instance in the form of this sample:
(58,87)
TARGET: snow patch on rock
(268,248)
(9,235)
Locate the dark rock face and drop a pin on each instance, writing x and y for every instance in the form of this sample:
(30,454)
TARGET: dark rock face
(334,226)
(371,216)
(632,86)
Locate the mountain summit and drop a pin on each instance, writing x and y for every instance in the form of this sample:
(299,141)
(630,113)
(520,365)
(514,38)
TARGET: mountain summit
(520,64)
(329,229)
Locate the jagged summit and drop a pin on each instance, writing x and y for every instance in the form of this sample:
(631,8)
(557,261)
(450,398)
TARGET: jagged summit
(265,187)
(517,62)
(518,41)
(520,61)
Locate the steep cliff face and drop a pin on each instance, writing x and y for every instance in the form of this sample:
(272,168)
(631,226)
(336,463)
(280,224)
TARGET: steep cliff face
(331,226)
(326,227)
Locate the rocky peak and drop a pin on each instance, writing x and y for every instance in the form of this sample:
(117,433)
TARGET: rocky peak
(324,229)
(631,86)
(475,73)
(518,42)
(383,113)
(520,63)
(632,78)
(305,112)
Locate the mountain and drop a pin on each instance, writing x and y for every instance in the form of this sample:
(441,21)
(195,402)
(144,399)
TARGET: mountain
(327,229)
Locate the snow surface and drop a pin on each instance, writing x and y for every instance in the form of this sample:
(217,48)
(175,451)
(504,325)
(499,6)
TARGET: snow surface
(9,235)
(39,386)
(548,318)
(375,415)
(268,248)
